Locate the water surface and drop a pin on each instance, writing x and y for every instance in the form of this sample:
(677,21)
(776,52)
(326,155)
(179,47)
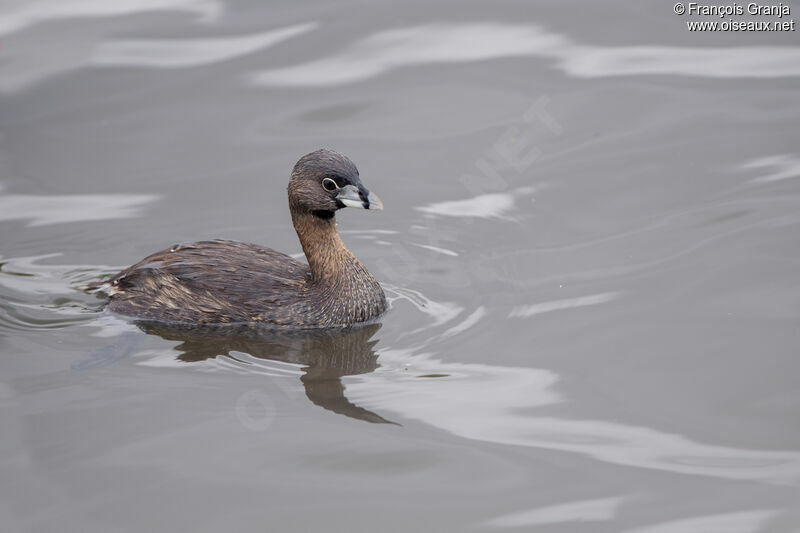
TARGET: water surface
(590,245)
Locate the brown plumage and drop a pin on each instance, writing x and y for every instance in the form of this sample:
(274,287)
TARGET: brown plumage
(223,282)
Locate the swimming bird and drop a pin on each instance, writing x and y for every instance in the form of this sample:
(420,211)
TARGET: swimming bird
(225,282)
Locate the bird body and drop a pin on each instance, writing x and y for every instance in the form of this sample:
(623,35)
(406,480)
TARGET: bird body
(224,282)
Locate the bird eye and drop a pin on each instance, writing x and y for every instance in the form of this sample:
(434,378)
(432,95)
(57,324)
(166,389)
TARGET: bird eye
(329,185)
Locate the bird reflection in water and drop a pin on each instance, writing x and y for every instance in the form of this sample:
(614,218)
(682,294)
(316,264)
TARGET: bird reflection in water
(327,356)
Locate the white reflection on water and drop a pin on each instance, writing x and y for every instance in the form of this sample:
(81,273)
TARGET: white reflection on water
(504,412)
(525,311)
(16,15)
(437,249)
(782,167)
(106,325)
(741,522)
(494,205)
(580,511)
(176,53)
(474,318)
(419,45)
(42,210)
(727,62)
(446,43)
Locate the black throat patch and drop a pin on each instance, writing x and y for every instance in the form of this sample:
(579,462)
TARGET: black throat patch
(321,213)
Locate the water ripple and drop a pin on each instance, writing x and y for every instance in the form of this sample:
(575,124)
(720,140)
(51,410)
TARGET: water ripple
(439,312)
(42,210)
(783,167)
(16,16)
(182,53)
(37,296)
(579,511)
(502,414)
(494,205)
(740,522)
(449,43)
(526,311)
(419,45)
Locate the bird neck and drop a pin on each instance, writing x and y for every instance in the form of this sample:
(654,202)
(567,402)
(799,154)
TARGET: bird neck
(325,252)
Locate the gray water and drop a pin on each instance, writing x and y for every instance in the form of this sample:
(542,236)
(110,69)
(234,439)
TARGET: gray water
(590,244)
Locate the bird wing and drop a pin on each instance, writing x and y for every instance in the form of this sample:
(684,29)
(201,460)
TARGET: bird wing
(208,281)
